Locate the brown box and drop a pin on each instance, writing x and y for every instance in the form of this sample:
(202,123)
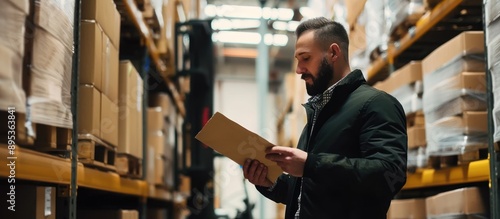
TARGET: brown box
(91,55)
(150,165)
(127,131)
(474,81)
(31,201)
(11,90)
(357,39)
(407,209)
(156,139)
(105,13)
(130,86)
(55,17)
(470,122)
(354,9)
(469,42)
(464,201)
(407,74)
(109,121)
(89,110)
(155,119)
(109,69)
(159,170)
(22,5)
(138,133)
(162,100)
(416,137)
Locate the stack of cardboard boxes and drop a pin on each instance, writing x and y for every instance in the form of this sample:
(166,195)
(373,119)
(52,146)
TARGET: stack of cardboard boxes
(130,119)
(12,45)
(492,21)
(161,140)
(50,63)
(454,98)
(469,202)
(405,85)
(12,19)
(98,91)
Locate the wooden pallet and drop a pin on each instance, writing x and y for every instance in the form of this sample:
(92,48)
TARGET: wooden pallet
(39,137)
(96,153)
(20,131)
(128,165)
(438,162)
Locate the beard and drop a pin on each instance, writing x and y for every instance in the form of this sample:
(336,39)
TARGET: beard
(321,82)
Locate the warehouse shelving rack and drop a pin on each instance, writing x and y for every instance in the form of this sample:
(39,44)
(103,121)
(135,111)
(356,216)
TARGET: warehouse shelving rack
(430,32)
(66,173)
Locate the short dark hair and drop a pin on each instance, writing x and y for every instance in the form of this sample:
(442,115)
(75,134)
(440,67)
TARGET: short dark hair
(326,33)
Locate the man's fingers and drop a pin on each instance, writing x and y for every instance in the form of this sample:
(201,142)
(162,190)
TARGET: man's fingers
(279,150)
(245,167)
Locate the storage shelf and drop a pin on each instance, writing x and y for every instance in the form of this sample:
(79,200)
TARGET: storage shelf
(476,171)
(37,166)
(137,18)
(40,167)
(426,23)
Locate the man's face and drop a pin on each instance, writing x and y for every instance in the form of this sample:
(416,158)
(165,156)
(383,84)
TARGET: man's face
(312,64)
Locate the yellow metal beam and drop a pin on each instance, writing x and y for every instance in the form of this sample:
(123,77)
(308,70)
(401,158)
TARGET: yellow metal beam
(476,171)
(35,166)
(428,21)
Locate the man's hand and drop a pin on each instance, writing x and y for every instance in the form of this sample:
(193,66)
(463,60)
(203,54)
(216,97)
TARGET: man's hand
(291,160)
(256,173)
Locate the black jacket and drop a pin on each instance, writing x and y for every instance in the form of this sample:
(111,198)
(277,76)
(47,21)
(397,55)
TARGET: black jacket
(356,156)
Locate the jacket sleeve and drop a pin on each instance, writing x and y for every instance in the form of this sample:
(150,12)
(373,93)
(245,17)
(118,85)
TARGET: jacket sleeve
(381,168)
(279,192)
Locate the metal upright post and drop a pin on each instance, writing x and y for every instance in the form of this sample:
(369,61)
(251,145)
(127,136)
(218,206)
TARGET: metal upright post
(262,75)
(74,110)
(494,154)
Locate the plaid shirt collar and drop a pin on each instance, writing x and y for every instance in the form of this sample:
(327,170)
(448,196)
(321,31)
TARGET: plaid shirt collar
(320,100)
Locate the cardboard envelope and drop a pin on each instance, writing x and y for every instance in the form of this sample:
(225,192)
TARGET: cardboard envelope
(237,143)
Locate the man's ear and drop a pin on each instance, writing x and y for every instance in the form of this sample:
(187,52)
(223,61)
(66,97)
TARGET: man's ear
(334,51)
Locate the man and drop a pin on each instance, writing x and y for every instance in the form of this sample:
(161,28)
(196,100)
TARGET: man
(351,157)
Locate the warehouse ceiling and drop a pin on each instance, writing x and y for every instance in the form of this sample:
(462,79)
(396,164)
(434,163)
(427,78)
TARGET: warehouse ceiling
(237,36)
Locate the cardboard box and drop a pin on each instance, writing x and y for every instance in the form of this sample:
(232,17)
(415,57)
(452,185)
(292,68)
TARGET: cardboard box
(109,70)
(357,39)
(469,122)
(106,15)
(407,208)
(128,131)
(150,165)
(130,86)
(162,100)
(22,5)
(89,110)
(56,17)
(155,119)
(11,88)
(471,81)
(416,137)
(159,170)
(91,54)
(447,103)
(109,121)
(156,139)
(12,18)
(459,202)
(469,42)
(34,202)
(408,74)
